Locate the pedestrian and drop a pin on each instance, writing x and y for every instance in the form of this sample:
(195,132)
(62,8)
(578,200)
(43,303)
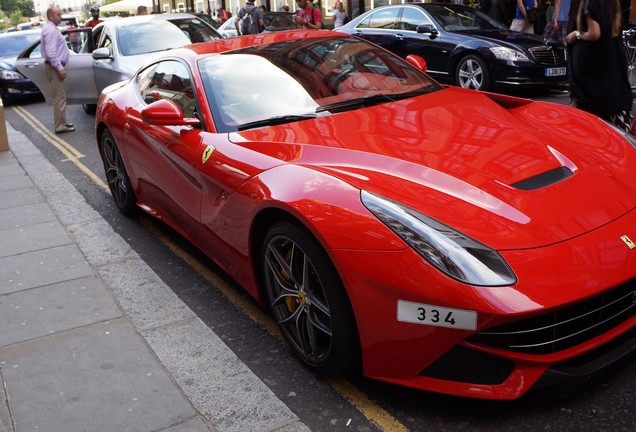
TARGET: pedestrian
(598,73)
(73,38)
(308,16)
(500,11)
(339,16)
(142,10)
(526,16)
(221,14)
(95,17)
(56,55)
(557,28)
(250,18)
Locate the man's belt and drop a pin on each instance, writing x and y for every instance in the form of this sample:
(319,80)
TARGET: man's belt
(49,63)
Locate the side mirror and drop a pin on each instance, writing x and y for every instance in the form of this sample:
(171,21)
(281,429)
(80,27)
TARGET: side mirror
(101,54)
(416,61)
(427,28)
(165,113)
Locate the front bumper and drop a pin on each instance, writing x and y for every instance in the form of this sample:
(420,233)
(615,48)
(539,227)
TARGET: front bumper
(455,361)
(14,89)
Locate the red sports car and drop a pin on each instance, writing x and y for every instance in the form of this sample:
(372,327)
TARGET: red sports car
(436,237)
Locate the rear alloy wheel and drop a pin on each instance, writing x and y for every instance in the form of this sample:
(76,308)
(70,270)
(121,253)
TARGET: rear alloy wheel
(116,175)
(472,73)
(308,300)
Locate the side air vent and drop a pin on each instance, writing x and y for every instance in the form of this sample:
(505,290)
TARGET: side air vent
(545,179)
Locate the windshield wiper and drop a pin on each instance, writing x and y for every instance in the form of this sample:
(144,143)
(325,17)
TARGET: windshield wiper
(276,120)
(373,99)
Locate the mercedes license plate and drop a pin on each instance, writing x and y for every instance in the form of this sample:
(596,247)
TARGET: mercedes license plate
(558,71)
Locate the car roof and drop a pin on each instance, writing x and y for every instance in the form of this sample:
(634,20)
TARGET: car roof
(152,17)
(203,49)
(20,33)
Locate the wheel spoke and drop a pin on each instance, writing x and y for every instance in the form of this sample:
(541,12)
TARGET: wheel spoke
(280,270)
(313,340)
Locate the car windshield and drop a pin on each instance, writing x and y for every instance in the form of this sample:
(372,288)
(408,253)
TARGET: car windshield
(16,43)
(157,35)
(276,21)
(458,18)
(305,78)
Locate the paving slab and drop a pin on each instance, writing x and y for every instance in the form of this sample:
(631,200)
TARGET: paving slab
(42,311)
(19,197)
(44,267)
(31,238)
(17,181)
(99,378)
(31,214)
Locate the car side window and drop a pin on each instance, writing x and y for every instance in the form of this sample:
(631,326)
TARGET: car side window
(72,43)
(412,19)
(168,80)
(105,41)
(382,19)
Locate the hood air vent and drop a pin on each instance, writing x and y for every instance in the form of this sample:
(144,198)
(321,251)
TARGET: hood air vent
(545,179)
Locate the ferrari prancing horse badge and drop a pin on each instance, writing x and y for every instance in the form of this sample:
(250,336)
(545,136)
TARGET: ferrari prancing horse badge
(207,153)
(630,244)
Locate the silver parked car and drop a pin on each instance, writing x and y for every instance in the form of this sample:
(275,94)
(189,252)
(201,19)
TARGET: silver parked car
(113,51)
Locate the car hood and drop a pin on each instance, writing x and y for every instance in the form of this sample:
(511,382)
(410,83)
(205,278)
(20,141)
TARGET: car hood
(7,63)
(511,173)
(128,65)
(506,37)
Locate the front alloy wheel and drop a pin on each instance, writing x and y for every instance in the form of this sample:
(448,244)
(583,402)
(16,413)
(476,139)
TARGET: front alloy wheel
(472,73)
(116,175)
(308,300)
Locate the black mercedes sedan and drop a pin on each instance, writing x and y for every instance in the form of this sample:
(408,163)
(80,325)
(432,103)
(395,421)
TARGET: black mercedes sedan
(463,46)
(14,86)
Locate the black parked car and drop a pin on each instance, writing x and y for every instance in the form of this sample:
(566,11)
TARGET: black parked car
(14,85)
(463,46)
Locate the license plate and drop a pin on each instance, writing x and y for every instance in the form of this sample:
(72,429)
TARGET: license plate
(555,71)
(419,313)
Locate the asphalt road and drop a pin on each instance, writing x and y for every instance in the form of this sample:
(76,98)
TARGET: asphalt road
(602,402)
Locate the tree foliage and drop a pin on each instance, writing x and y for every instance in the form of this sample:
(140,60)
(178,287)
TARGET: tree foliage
(25,7)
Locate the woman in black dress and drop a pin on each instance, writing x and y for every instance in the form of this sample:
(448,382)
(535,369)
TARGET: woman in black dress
(598,66)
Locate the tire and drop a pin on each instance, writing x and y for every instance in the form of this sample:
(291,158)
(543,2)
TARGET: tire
(308,300)
(116,175)
(472,73)
(89,108)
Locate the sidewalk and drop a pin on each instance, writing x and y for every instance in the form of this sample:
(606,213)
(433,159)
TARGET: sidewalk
(90,338)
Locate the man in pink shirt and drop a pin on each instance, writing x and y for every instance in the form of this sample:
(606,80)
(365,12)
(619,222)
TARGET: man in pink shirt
(56,54)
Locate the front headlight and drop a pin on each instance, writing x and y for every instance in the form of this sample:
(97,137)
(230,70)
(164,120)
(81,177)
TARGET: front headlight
(509,54)
(10,75)
(452,252)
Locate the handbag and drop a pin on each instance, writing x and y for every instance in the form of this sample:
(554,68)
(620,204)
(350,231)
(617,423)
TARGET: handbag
(532,15)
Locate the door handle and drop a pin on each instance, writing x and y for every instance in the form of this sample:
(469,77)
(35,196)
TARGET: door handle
(30,65)
(399,37)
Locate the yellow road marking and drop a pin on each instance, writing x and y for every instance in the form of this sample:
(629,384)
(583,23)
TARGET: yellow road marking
(71,153)
(370,410)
